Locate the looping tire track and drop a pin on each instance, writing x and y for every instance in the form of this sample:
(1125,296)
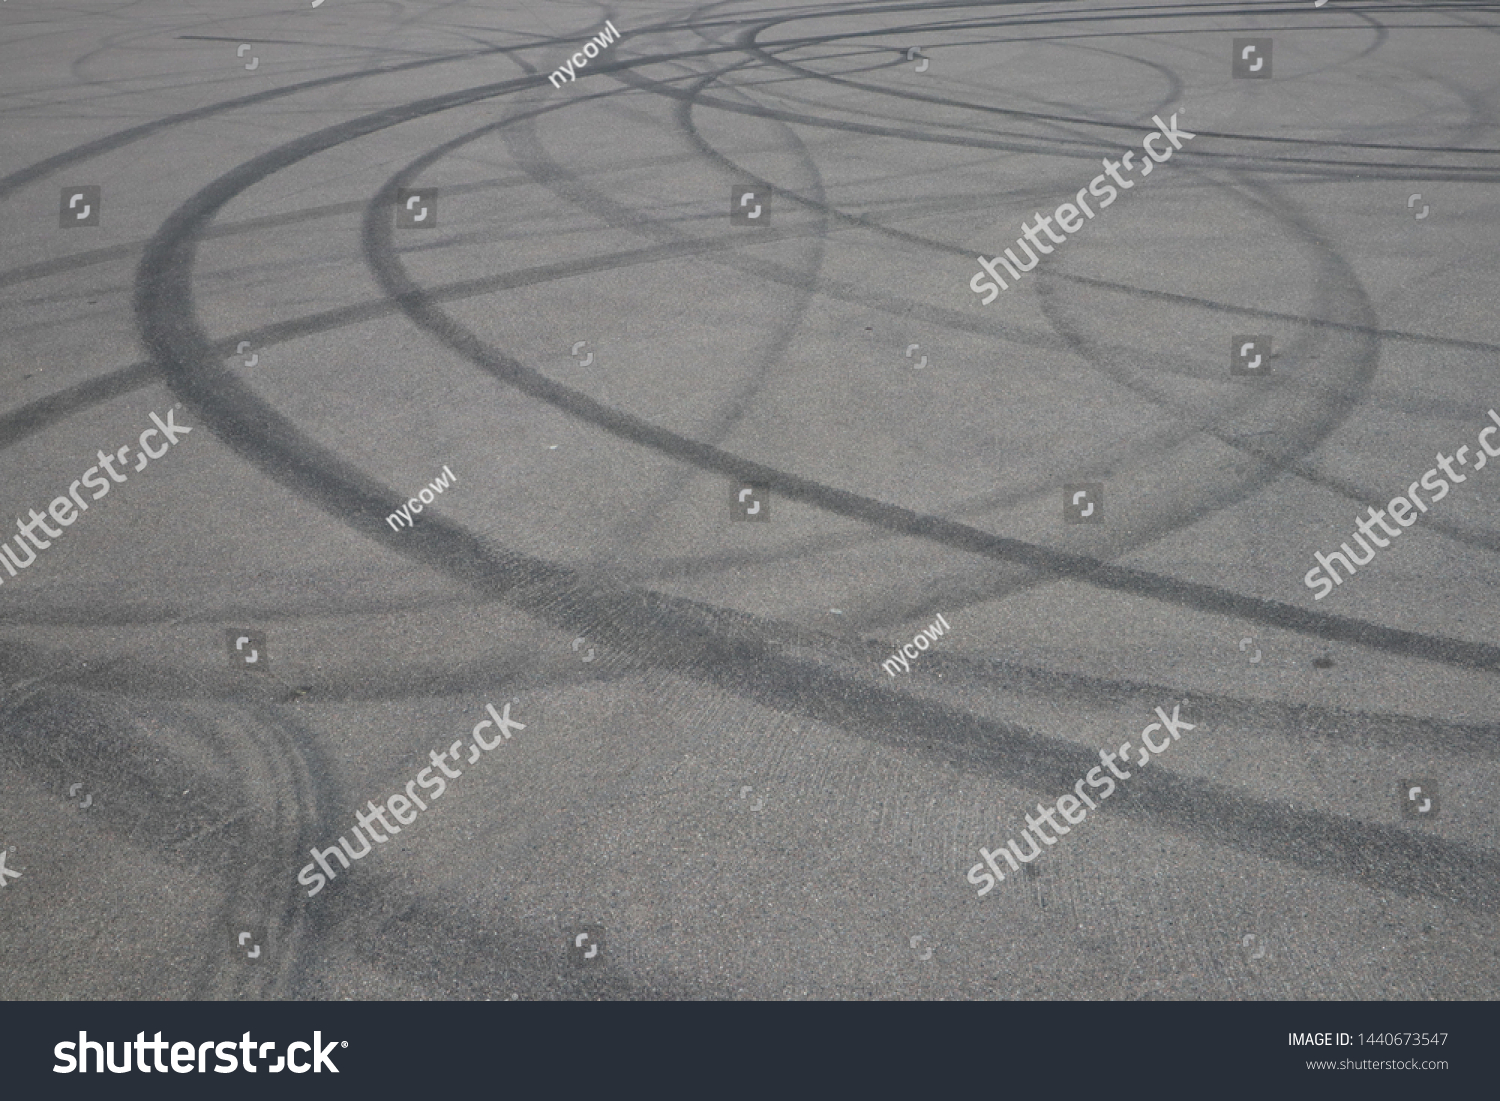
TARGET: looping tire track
(717,651)
(671,636)
(242,821)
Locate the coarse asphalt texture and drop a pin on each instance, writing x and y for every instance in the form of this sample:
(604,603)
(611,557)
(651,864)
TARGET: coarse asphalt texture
(357,245)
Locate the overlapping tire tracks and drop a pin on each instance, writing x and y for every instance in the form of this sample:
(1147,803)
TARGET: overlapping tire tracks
(729,652)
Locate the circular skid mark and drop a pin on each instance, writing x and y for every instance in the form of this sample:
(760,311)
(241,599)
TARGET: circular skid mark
(739,655)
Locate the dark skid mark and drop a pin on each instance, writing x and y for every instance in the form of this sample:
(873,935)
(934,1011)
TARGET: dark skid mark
(1322,413)
(200,813)
(44,168)
(419,307)
(669,633)
(749,40)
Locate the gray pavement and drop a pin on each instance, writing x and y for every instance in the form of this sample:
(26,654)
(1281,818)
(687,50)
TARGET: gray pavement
(716,782)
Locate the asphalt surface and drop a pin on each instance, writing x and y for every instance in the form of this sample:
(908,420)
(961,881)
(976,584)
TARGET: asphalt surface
(359,247)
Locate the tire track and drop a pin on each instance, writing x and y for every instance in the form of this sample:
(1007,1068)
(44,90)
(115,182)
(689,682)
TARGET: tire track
(735,655)
(666,634)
